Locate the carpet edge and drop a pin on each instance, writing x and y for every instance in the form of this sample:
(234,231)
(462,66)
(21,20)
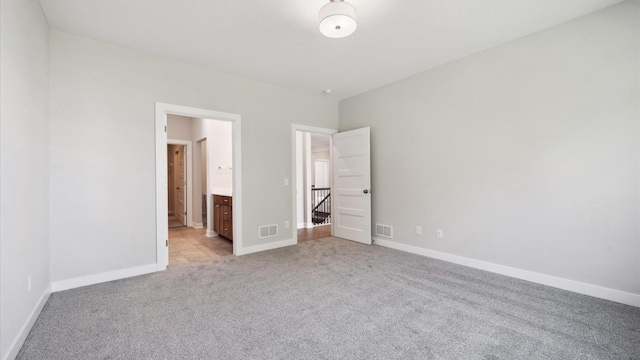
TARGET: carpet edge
(538,278)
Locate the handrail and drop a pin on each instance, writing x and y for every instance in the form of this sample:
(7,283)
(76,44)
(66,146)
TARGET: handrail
(321,212)
(321,202)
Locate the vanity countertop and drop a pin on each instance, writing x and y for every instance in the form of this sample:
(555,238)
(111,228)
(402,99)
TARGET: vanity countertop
(223,194)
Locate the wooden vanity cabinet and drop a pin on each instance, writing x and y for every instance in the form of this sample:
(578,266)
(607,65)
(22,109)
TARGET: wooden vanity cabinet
(222,216)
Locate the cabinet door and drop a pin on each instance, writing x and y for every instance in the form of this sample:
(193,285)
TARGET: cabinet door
(226,221)
(217,219)
(230,223)
(223,216)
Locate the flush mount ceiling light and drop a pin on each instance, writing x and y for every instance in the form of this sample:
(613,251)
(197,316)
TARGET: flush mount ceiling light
(337,19)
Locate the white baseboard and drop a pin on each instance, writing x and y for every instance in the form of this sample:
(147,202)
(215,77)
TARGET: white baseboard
(17,343)
(210,233)
(305,226)
(267,246)
(553,281)
(198,225)
(102,277)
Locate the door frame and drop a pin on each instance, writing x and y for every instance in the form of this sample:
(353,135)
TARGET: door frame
(162,226)
(198,144)
(189,177)
(294,173)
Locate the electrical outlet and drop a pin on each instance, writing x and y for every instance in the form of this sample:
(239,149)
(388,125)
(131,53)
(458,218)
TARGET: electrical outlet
(418,230)
(286,224)
(439,233)
(29,283)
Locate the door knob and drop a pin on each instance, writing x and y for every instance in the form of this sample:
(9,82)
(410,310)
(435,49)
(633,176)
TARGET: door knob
(365,191)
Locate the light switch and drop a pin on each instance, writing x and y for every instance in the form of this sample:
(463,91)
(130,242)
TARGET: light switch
(286,182)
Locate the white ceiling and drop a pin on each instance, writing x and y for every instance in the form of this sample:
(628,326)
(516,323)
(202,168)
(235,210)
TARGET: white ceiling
(278,42)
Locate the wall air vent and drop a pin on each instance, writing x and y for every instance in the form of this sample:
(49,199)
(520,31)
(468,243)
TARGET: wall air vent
(384,231)
(267,231)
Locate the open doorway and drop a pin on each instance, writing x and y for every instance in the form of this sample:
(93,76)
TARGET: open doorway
(320,167)
(177,180)
(312,166)
(195,179)
(208,143)
(350,183)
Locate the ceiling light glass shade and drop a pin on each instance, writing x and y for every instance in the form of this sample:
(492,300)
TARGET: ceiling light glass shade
(337,19)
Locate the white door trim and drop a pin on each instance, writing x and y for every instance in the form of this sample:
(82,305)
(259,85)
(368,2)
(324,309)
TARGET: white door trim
(162,226)
(294,173)
(189,169)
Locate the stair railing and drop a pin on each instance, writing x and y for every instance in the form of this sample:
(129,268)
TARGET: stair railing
(321,205)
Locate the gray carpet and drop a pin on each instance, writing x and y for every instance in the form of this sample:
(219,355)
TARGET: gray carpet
(330,299)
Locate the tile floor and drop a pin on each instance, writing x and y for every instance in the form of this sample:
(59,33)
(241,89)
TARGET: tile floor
(173,222)
(188,245)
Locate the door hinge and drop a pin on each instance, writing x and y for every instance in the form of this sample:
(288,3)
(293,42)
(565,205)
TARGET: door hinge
(185,213)
(167,242)
(165,128)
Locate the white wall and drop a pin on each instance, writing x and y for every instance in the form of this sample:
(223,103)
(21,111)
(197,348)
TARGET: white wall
(24,176)
(198,176)
(220,157)
(180,127)
(526,155)
(218,134)
(102,95)
(304,166)
(319,156)
(203,171)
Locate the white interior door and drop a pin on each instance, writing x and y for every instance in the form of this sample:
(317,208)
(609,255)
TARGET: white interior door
(351,190)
